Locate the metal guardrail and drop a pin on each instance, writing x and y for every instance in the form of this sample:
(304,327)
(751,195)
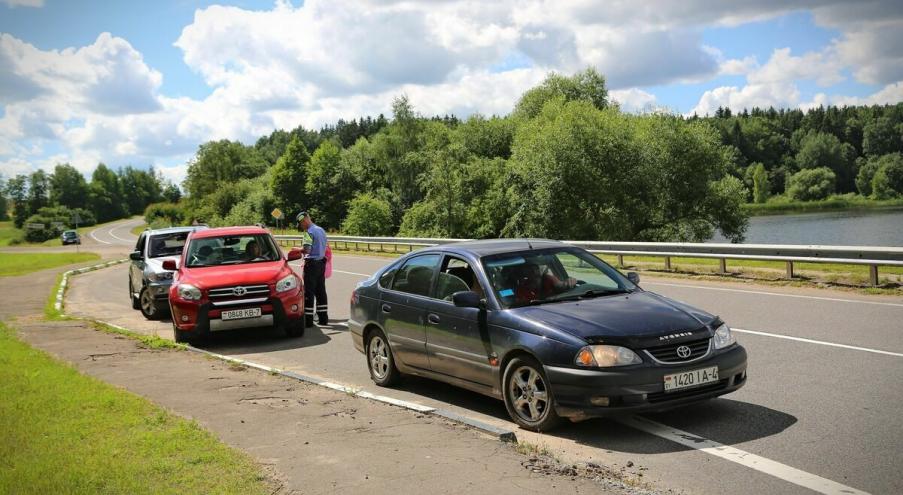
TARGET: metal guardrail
(871,256)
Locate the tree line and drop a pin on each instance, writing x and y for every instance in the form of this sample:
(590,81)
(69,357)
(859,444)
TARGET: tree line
(565,163)
(64,196)
(810,155)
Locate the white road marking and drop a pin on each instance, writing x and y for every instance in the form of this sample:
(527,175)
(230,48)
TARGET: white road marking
(95,237)
(752,461)
(833,299)
(351,273)
(127,241)
(819,342)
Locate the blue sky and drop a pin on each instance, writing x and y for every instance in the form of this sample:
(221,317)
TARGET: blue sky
(144,83)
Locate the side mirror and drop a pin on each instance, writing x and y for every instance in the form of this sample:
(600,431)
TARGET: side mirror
(135,256)
(634,277)
(170,265)
(466,299)
(295,254)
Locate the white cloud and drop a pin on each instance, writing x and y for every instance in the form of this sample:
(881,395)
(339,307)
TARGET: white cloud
(773,84)
(890,94)
(634,100)
(321,61)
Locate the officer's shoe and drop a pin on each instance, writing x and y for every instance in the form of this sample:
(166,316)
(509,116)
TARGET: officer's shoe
(324,321)
(308,321)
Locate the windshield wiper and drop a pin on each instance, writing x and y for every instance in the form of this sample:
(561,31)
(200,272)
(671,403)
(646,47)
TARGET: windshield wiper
(603,292)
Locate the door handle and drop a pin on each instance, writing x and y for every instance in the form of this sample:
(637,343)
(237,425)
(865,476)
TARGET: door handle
(434,319)
(387,308)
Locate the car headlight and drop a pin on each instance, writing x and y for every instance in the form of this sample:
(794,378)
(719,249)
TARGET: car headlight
(604,356)
(189,292)
(724,337)
(159,276)
(288,283)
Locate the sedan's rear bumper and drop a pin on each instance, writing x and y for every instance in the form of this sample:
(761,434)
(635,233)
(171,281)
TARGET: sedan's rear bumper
(579,393)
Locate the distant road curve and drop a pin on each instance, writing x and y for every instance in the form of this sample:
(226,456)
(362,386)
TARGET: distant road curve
(116,233)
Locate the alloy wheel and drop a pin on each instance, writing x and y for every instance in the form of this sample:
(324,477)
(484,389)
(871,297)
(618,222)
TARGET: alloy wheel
(529,394)
(379,357)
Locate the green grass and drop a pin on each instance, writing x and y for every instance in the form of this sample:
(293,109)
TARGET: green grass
(150,341)
(63,432)
(779,205)
(139,229)
(11,236)
(50,312)
(21,263)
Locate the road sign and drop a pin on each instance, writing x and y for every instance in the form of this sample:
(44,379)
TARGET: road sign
(277,214)
(76,218)
(35,226)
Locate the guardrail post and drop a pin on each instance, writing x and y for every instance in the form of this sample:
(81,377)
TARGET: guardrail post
(668,263)
(789,269)
(873,275)
(722,265)
(621,261)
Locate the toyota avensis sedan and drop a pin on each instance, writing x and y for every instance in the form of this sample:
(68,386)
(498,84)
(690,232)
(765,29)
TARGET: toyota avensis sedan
(549,328)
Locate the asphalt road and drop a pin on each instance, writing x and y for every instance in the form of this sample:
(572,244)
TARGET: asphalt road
(820,409)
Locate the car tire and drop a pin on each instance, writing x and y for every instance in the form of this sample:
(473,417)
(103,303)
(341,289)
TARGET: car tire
(136,303)
(148,305)
(294,328)
(380,360)
(528,395)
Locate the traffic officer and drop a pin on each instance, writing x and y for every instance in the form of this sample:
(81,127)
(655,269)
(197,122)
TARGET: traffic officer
(314,247)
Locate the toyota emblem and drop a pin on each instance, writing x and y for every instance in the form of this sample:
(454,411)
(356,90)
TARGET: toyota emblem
(240,291)
(683,351)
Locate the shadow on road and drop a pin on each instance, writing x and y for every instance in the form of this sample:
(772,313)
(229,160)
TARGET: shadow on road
(266,339)
(723,420)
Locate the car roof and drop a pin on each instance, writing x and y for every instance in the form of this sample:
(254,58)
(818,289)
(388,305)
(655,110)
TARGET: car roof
(171,230)
(221,231)
(489,247)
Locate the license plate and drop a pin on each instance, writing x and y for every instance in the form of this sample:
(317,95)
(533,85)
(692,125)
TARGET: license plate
(688,379)
(238,314)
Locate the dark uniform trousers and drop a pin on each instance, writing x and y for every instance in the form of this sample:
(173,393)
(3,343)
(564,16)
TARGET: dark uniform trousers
(315,288)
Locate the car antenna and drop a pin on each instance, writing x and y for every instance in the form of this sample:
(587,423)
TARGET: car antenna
(530,244)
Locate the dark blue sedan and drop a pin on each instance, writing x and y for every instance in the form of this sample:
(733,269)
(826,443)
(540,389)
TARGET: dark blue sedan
(549,328)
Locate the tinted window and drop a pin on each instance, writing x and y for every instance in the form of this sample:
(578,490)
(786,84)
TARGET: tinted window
(456,275)
(232,250)
(140,245)
(385,281)
(166,244)
(416,275)
(550,275)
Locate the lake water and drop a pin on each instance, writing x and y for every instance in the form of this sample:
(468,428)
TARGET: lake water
(840,228)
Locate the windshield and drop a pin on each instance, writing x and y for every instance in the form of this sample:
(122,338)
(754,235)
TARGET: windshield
(232,250)
(551,275)
(166,244)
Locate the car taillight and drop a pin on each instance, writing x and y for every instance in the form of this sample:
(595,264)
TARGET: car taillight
(354,297)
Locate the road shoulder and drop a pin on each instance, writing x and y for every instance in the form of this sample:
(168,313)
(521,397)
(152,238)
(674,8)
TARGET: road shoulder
(313,440)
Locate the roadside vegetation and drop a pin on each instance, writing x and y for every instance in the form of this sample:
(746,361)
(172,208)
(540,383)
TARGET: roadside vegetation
(68,433)
(12,264)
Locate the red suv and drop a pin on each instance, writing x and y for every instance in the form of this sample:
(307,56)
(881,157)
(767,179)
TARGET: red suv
(234,277)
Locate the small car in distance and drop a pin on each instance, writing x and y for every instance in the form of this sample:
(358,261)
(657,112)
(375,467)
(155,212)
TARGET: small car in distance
(148,281)
(234,277)
(550,329)
(70,237)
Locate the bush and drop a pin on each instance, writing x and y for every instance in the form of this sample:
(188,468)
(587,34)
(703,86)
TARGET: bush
(368,216)
(48,215)
(158,215)
(888,180)
(811,184)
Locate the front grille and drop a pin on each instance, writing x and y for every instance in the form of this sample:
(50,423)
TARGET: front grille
(690,392)
(243,292)
(668,353)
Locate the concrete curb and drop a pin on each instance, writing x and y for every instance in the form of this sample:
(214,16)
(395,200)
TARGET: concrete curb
(58,305)
(499,433)
(494,431)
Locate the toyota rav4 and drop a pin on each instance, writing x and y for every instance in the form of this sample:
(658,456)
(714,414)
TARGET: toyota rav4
(234,277)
